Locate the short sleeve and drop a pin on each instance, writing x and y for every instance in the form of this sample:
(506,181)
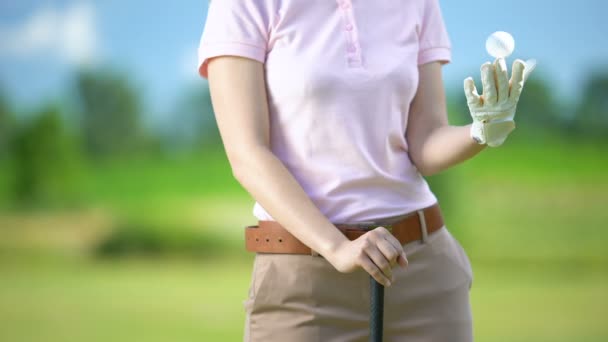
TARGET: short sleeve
(234,28)
(434,41)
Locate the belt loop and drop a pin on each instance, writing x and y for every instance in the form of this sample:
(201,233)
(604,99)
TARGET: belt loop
(422,219)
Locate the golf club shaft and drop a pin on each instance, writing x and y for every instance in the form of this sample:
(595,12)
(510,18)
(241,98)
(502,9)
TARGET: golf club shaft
(376,322)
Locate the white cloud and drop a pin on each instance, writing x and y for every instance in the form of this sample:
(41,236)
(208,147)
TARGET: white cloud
(69,34)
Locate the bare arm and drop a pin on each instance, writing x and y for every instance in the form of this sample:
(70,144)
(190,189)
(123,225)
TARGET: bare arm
(239,98)
(434,145)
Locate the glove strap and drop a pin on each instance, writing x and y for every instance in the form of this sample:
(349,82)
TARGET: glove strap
(477,133)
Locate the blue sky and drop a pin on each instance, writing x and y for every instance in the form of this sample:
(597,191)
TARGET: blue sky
(42,42)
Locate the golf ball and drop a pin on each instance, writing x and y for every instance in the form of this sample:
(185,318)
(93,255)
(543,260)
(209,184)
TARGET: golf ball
(500,44)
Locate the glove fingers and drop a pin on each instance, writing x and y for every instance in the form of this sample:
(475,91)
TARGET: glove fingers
(489,84)
(517,80)
(502,80)
(530,66)
(470,91)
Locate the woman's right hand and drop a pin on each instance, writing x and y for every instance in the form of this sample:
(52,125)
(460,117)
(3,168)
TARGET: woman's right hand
(376,251)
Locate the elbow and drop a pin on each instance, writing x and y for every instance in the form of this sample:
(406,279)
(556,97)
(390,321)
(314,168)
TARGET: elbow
(237,172)
(428,171)
(244,164)
(424,172)
(424,163)
(239,169)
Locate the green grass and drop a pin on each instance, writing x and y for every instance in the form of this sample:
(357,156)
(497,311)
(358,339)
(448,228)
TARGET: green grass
(546,161)
(540,302)
(202,301)
(506,218)
(129,301)
(152,179)
(531,200)
(531,215)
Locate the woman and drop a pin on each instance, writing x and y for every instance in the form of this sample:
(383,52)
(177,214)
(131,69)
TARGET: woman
(330,113)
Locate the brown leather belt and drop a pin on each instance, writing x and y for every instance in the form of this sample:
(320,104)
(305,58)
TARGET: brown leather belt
(271,237)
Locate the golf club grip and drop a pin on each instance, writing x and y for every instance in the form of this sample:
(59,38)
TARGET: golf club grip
(376,322)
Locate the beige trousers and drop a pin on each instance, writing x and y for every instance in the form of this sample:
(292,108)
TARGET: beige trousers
(302,298)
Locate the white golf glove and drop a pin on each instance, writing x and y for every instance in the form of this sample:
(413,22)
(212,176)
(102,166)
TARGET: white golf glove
(494,110)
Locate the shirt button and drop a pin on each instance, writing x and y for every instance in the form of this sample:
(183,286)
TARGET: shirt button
(349,27)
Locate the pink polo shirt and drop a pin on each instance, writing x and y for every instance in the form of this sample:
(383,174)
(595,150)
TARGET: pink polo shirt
(341,76)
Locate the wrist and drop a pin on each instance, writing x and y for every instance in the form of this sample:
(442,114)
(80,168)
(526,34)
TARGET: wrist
(493,133)
(477,133)
(331,246)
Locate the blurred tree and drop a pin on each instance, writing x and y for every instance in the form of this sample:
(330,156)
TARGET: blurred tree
(458,111)
(7,127)
(110,114)
(47,168)
(537,105)
(592,113)
(193,122)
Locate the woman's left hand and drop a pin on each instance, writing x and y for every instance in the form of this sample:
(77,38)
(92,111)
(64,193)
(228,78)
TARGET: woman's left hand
(493,111)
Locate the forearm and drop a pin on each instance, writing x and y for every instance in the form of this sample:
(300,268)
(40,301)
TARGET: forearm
(265,177)
(444,147)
